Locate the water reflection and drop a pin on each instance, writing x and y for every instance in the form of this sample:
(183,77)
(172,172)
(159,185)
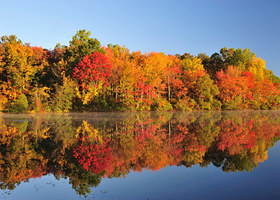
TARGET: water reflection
(86,148)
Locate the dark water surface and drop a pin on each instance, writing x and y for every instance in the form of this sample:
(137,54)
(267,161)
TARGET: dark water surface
(149,155)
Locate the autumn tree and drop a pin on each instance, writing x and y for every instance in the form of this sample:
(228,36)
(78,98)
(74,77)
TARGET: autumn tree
(198,87)
(235,87)
(212,64)
(93,74)
(80,46)
(20,62)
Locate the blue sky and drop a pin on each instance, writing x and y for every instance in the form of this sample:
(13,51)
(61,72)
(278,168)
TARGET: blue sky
(174,26)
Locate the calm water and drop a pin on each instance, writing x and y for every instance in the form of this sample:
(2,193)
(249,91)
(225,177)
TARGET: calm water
(155,156)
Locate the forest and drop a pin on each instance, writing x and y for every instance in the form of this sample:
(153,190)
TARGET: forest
(85,76)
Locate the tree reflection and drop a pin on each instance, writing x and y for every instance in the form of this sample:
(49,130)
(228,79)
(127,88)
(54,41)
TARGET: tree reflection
(87,148)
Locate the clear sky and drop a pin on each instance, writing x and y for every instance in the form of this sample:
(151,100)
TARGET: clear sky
(174,26)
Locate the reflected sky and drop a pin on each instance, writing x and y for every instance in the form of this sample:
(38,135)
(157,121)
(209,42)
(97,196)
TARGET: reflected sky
(233,155)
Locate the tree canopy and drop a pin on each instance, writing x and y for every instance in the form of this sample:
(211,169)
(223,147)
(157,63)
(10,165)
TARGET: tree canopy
(84,76)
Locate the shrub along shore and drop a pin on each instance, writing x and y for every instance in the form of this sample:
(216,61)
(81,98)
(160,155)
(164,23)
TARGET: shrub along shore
(85,76)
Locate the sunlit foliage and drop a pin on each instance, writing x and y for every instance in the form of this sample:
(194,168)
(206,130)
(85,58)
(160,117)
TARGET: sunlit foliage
(84,76)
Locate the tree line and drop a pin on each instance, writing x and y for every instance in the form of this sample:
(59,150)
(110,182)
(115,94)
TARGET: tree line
(84,76)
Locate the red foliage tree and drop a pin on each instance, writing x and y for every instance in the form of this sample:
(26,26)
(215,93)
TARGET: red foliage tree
(95,69)
(234,84)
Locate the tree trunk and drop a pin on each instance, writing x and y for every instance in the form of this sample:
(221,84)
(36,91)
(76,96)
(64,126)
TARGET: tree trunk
(168,89)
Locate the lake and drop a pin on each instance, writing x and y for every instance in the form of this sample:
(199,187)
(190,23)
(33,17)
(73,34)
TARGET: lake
(141,155)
